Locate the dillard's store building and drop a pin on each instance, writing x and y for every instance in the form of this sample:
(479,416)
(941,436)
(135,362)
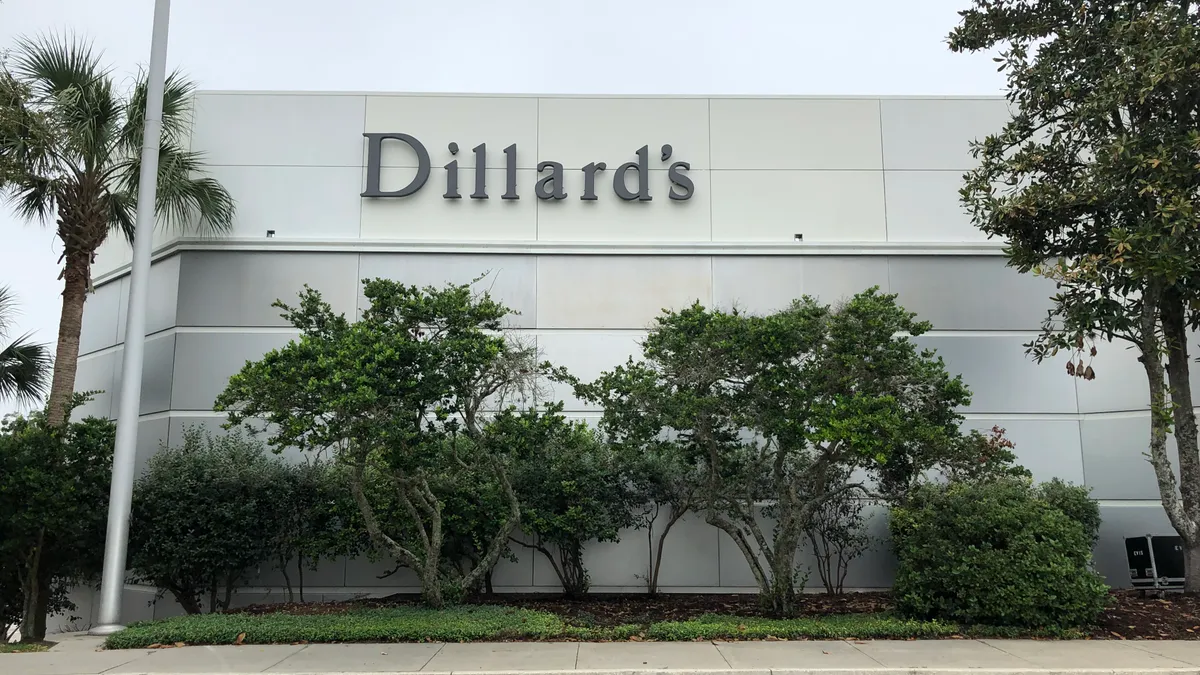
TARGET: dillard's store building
(590,215)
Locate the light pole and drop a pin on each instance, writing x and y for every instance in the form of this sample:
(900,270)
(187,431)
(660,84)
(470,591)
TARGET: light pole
(121,493)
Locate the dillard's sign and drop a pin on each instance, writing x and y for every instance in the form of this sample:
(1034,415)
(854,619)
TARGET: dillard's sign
(548,186)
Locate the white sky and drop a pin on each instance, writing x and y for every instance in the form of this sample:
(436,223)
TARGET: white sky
(509,46)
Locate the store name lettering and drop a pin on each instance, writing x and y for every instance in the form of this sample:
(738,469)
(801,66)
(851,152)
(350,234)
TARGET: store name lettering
(630,181)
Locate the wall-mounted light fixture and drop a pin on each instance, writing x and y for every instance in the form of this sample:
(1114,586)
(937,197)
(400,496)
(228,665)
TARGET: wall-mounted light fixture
(798,236)
(270,234)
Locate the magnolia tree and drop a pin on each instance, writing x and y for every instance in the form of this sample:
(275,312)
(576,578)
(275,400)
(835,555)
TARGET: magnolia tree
(400,397)
(769,408)
(1093,183)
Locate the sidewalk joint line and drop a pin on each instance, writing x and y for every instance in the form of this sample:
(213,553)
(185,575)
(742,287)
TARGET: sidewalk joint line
(855,648)
(431,657)
(723,657)
(1135,645)
(302,648)
(1005,651)
(145,654)
(577,648)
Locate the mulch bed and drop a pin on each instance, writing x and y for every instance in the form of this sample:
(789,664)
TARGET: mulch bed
(1130,616)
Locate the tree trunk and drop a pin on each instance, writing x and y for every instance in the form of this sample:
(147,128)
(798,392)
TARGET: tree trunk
(782,558)
(676,513)
(824,556)
(66,356)
(33,629)
(1191,565)
(229,582)
(575,579)
(287,580)
(29,613)
(187,601)
(492,554)
(1184,419)
(431,593)
(1161,416)
(42,610)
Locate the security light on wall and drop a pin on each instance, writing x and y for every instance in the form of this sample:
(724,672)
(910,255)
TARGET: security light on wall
(270,234)
(798,236)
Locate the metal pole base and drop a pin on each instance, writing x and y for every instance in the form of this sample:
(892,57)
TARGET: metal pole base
(106,629)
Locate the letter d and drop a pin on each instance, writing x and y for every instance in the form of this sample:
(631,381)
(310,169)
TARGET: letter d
(643,170)
(374,157)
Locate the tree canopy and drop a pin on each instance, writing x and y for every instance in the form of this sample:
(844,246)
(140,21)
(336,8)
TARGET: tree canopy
(70,154)
(1093,183)
(400,396)
(769,407)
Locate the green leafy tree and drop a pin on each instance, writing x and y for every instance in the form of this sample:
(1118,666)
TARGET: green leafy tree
(24,365)
(475,506)
(388,394)
(664,477)
(317,519)
(70,152)
(1093,183)
(837,530)
(53,504)
(205,513)
(770,406)
(573,489)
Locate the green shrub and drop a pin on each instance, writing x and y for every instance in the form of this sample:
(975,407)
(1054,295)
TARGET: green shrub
(318,519)
(995,553)
(204,513)
(54,486)
(1076,502)
(573,488)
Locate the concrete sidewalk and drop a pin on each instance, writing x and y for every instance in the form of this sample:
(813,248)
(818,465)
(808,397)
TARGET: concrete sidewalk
(81,655)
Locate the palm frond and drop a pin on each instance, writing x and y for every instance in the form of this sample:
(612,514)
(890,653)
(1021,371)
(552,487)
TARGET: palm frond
(176,117)
(34,198)
(185,197)
(66,76)
(8,308)
(24,371)
(122,210)
(57,64)
(27,140)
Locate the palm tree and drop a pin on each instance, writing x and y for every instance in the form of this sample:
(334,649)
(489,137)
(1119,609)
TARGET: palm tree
(70,146)
(24,365)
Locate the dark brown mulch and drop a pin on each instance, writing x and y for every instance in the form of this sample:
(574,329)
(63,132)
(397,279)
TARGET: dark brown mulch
(1130,616)
(614,610)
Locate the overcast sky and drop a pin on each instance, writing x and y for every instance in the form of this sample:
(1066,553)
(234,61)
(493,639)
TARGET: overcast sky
(509,46)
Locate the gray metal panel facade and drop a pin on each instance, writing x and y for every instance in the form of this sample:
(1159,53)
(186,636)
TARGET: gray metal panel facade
(875,179)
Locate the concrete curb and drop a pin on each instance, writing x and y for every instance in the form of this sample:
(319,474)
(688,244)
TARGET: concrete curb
(1191,670)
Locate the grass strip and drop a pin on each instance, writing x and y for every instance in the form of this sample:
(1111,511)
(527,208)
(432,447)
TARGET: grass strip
(398,624)
(833,627)
(22,647)
(490,623)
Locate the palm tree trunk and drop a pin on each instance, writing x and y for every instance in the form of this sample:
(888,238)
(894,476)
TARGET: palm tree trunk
(66,356)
